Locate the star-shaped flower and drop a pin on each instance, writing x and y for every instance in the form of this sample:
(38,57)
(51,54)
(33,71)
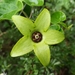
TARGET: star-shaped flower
(37,36)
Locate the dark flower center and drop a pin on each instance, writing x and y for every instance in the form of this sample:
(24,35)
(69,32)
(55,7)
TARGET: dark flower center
(36,36)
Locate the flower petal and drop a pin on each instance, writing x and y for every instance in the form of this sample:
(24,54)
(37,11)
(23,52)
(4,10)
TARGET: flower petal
(53,36)
(24,25)
(23,46)
(43,20)
(43,53)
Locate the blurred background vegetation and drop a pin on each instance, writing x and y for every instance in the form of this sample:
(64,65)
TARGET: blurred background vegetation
(62,55)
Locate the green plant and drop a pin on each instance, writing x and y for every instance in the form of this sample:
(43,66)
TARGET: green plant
(62,55)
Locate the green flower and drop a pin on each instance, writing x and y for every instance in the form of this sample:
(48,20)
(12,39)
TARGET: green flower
(37,36)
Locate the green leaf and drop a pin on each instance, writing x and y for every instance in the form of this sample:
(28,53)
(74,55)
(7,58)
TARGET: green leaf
(57,17)
(53,37)
(23,46)
(24,25)
(43,20)
(42,52)
(9,8)
(34,2)
(55,26)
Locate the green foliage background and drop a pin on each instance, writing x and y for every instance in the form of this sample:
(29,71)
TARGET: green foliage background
(62,55)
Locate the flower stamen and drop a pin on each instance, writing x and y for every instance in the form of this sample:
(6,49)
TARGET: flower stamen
(36,36)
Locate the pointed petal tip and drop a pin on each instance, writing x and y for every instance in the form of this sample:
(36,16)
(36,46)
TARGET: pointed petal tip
(14,16)
(45,9)
(45,65)
(12,54)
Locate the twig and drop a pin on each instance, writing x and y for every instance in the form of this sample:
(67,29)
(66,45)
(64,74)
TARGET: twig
(22,9)
(31,13)
(25,14)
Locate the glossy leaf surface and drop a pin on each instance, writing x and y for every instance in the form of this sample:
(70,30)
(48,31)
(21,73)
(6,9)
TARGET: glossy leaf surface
(34,2)
(57,17)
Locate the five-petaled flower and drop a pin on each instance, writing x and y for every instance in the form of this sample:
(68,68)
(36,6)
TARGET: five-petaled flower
(37,36)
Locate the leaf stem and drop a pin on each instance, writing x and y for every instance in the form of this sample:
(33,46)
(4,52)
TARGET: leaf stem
(25,14)
(22,9)
(31,12)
